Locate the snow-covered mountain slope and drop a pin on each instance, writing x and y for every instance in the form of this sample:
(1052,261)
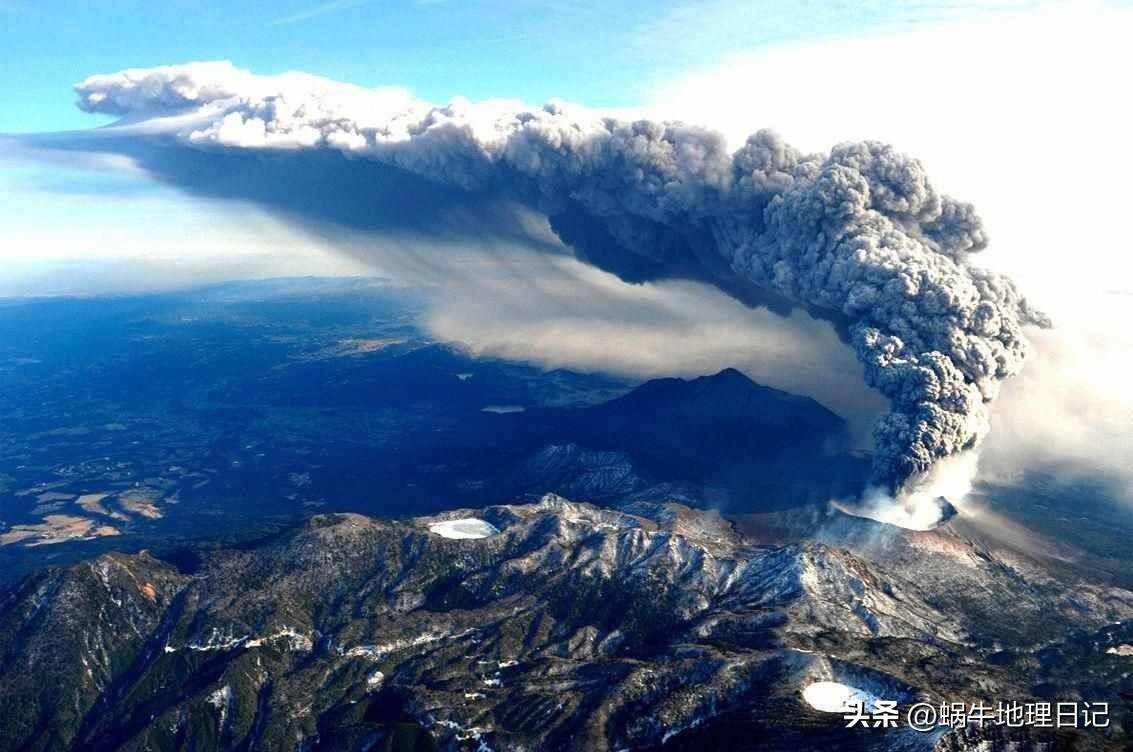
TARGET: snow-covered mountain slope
(573,627)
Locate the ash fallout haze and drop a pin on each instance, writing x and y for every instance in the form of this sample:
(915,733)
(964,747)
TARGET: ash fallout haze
(771,370)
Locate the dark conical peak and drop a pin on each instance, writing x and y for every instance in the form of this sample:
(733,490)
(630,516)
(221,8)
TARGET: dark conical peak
(728,374)
(726,386)
(729,377)
(728,395)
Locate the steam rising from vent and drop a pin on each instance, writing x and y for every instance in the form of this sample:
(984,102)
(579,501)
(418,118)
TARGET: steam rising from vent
(926,499)
(858,236)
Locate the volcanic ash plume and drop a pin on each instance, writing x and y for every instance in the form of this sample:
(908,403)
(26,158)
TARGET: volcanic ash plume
(858,235)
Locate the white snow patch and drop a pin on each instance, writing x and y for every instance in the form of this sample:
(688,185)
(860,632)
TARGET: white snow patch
(464,529)
(373,652)
(464,734)
(218,640)
(502,409)
(835,697)
(379,652)
(298,642)
(680,729)
(221,699)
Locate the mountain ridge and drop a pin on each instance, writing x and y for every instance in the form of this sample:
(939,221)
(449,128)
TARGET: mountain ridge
(573,627)
(749,445)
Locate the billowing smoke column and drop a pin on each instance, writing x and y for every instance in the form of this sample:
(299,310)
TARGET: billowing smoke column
(858,235)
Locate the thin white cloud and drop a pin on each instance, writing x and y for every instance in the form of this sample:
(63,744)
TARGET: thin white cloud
(323,9)
(689,31)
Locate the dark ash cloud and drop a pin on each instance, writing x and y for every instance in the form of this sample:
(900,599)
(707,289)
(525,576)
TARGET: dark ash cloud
(858,236)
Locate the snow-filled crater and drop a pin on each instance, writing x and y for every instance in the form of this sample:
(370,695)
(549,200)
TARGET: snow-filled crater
(835,697)
(464,528)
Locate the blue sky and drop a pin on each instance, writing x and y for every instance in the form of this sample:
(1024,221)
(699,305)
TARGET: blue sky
(603,54)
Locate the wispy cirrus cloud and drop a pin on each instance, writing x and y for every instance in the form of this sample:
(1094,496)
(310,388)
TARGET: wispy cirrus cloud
(322,9)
